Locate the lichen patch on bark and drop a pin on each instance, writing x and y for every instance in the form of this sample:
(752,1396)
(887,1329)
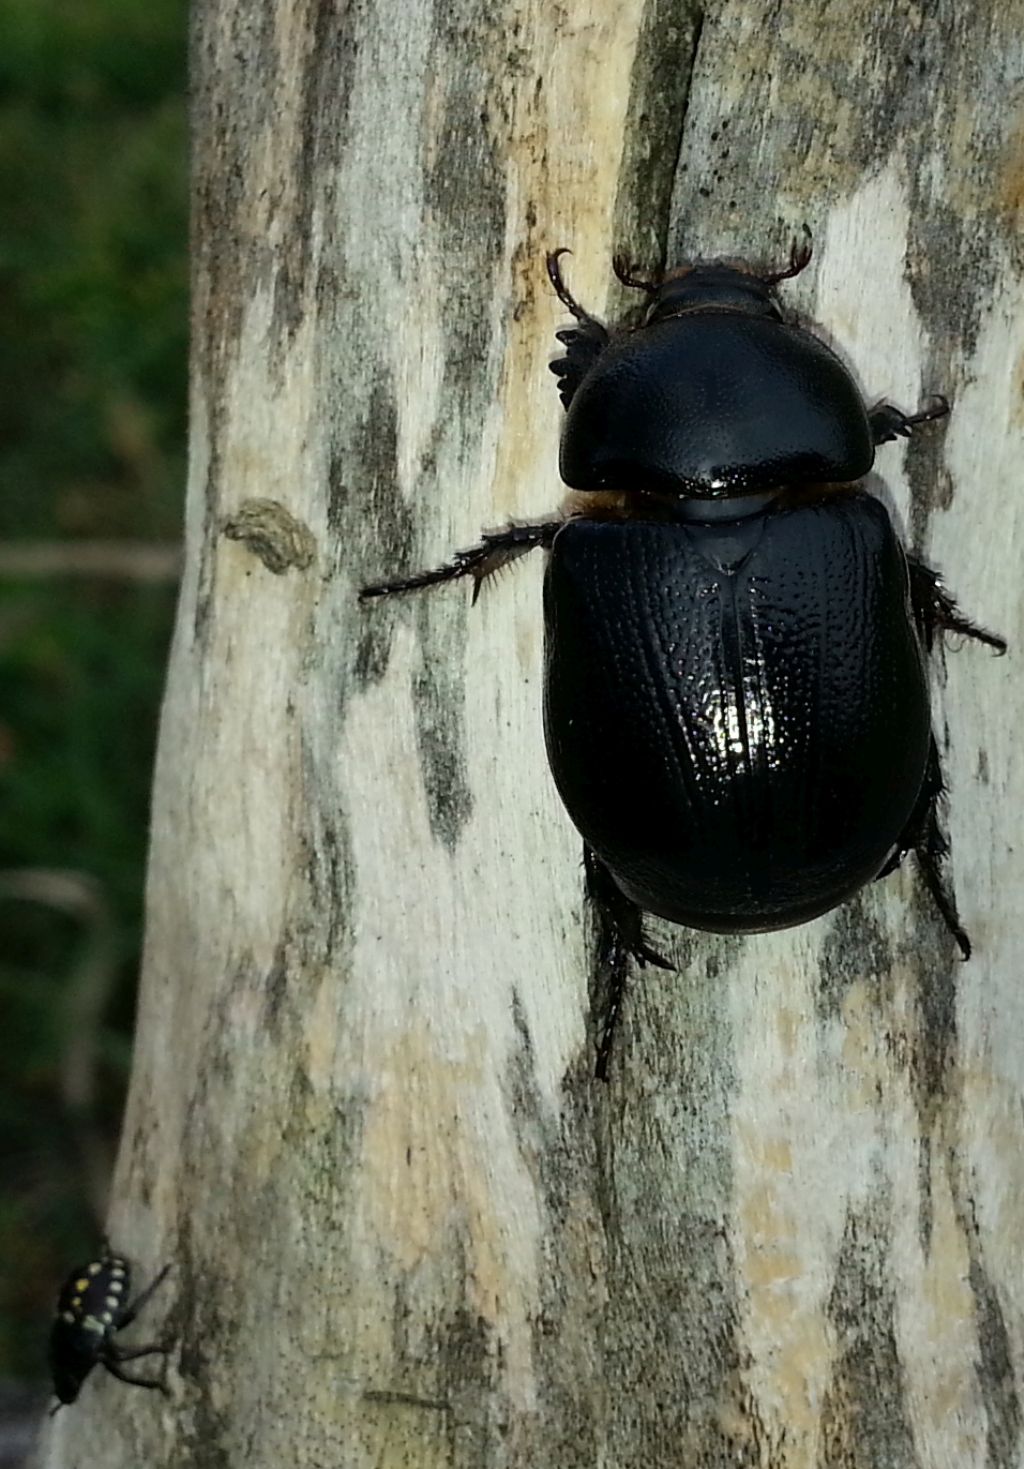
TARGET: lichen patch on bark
(272,533)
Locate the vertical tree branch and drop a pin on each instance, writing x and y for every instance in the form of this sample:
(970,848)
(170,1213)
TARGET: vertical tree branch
(407,1225)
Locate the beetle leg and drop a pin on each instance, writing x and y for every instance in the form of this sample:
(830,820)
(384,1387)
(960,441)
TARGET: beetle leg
(583,343)
(495,550)
(583,346)
(620,934)
(924,837)
(624,273)
(935,610)
(134,1307)
(889,423)
(932,849)
(800,252)
(122,1376)
(114,1352)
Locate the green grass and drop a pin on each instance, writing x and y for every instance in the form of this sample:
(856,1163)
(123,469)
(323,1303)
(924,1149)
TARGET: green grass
(93,273)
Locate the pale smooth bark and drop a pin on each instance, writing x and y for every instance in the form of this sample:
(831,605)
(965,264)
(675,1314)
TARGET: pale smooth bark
(407,1225)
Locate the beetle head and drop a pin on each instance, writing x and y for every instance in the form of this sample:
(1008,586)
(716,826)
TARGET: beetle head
(717,285)
(713,287)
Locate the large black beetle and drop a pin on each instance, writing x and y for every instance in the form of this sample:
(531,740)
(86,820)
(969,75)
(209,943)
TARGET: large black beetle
(736,702)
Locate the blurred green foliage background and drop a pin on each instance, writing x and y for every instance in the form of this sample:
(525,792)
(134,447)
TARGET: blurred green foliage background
(93,276)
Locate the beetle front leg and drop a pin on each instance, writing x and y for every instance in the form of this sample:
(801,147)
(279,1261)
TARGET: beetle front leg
(583,343)
(620,935)
(889,423)
(936,611)
(583,346)
(495,550)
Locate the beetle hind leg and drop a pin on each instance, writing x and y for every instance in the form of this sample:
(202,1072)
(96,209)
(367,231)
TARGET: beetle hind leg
(620,936)
(115,1370)
(924,837)
(114,1356)
(494,550)
(932,849)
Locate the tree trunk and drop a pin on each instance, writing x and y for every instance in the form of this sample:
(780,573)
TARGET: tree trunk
(408,1226)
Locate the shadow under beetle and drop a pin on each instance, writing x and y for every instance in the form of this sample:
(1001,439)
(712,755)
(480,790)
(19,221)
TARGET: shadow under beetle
(92,1307)
(736,705)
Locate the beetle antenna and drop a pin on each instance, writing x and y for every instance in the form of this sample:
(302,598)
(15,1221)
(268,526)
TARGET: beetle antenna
(624,272)
(562,291)
(800,252)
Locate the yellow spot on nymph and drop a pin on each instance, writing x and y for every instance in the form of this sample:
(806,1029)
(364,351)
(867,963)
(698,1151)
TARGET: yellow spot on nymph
(106,1318)
(76,1301)
(95,1268)
(111,1301)
(116,1285)
(91,1324)
(82,1284)
(68,1316)
(118,1272)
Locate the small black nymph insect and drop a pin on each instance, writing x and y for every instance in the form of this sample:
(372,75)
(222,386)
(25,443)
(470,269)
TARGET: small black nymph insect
(92,1307)
(736,705)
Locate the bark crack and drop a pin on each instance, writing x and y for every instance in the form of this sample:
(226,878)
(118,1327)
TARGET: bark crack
(662,83)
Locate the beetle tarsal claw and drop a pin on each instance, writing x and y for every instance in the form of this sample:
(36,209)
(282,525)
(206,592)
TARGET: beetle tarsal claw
(938,407)
(645,955)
